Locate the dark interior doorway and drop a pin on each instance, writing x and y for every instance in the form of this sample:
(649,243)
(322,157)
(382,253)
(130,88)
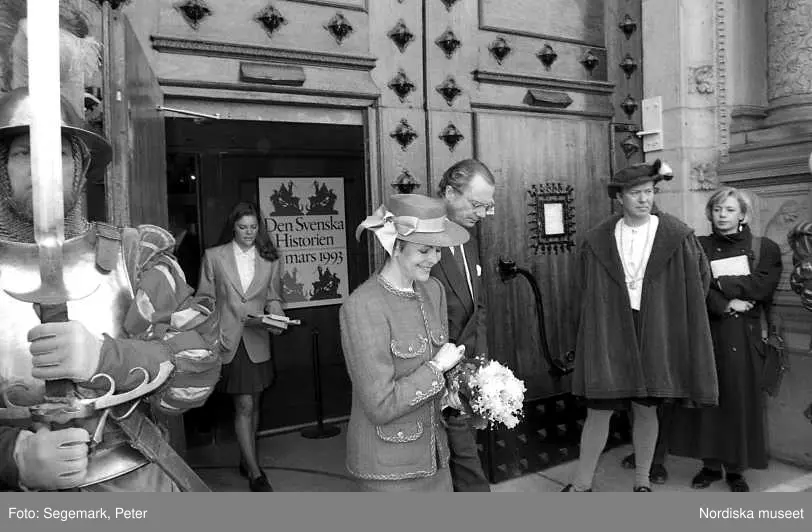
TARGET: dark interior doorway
(212,166)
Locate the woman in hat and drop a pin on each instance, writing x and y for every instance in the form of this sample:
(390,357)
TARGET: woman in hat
(394,335)
(746,270)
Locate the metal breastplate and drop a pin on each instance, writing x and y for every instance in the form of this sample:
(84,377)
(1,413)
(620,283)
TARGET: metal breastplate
(102,312)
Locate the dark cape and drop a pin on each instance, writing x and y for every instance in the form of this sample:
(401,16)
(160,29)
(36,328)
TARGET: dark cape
(673,359)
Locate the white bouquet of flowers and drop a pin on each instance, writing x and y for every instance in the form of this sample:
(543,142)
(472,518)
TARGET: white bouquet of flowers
(489,392)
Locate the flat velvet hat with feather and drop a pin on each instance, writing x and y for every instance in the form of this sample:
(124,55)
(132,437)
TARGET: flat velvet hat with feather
(637,174)
(413,218)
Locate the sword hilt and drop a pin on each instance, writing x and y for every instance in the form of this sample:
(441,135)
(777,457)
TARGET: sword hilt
(60,388)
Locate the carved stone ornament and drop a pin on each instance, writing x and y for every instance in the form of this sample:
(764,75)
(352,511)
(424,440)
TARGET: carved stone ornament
(401,85)
(270,19)
(448,43)
(590,61)
(449,3)
(449,90)
(628,65)
(629,105)
(789,50)
(628,26)
(339,27)
(404,134)
(114,4)
(701,79)
(405,183)
(451,136)
(703,176)
(499,49)
(630,146)
(547,56)
(401,35)
(193,11)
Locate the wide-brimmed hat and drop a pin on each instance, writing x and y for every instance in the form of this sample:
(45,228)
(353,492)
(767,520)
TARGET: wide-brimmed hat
(637,174)
(413,218)
(15,119)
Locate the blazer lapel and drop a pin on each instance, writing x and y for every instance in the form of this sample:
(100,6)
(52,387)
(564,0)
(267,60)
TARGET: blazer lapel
(261,267)
(231,268)
(456,278)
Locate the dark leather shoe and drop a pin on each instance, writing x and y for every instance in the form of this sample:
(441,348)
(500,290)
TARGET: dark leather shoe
(658,474)
(570,487)
(737,483)
(705,478)
(260,483)
(642,489)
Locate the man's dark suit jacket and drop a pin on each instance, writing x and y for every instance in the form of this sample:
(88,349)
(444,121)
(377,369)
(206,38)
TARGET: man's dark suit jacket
(466,316)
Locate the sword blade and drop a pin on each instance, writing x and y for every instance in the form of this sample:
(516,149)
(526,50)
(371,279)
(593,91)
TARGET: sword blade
(46,168)
(46,151)
(46,135)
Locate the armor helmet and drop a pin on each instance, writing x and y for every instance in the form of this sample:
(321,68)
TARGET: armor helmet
(15,119)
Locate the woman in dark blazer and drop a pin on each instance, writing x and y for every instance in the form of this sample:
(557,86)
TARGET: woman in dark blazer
(242,276)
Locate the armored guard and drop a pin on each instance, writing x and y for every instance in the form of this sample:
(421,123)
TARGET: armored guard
(78,380)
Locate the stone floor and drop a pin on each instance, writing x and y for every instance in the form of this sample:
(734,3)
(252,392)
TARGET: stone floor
(297,464)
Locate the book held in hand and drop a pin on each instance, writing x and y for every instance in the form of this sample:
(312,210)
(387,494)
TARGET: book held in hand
(737,265)
(270,320)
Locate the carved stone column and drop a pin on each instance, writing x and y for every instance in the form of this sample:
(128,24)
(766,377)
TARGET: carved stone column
(681,64)
(789,52)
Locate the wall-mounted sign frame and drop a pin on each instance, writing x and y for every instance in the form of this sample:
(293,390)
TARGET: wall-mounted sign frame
(551,218)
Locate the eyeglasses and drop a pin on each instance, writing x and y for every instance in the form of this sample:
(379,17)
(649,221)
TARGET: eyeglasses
(490,208)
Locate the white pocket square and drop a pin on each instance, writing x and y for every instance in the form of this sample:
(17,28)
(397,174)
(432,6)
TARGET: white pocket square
(478,270)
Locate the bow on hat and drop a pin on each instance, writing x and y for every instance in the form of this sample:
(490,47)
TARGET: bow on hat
(388,227)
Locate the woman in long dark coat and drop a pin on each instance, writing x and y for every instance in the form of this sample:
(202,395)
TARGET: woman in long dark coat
(732,435)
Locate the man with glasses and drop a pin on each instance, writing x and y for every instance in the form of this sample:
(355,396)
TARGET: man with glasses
(467,189)
(643,337)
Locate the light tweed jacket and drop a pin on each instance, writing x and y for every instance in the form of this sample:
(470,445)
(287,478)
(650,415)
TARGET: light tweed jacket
(395,430)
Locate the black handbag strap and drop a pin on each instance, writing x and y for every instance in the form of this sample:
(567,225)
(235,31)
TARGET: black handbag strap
(768,328)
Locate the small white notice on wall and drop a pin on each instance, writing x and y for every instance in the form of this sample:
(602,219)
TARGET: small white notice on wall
(553,218)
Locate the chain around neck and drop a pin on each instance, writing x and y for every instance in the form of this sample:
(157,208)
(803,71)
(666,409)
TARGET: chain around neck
(635,276)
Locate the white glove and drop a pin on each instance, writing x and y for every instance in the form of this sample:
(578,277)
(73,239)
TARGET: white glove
(448,356)
(65,350)
(51,461)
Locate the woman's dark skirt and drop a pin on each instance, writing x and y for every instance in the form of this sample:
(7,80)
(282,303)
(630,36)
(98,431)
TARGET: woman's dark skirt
(243,376)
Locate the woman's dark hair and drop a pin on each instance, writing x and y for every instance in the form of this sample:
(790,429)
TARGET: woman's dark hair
(263,241)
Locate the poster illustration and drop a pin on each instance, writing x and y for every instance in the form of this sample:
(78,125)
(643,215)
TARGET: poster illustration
(306,221)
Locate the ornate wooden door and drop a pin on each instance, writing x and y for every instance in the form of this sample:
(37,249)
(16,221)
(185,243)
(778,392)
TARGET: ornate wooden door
(546,93)
(543,92)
